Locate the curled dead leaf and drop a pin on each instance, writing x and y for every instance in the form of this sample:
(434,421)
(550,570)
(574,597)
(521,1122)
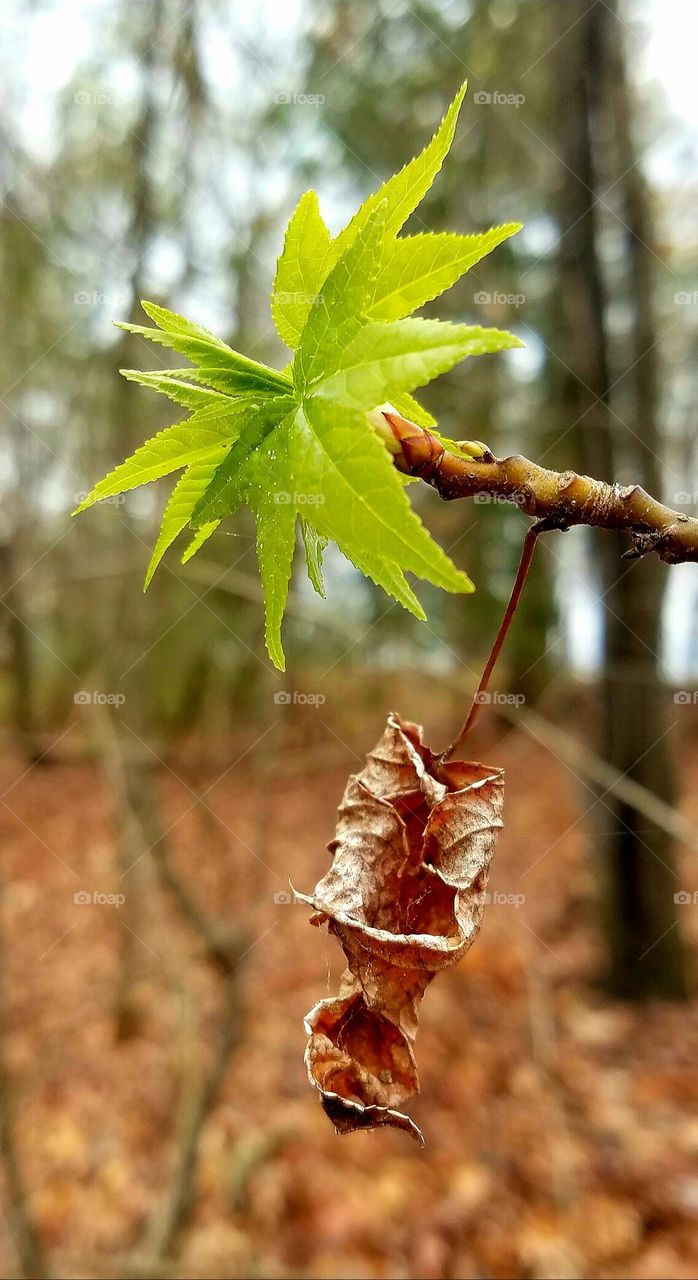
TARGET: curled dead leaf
(405,897)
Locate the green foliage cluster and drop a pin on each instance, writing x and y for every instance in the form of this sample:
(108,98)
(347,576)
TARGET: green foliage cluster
(298,446)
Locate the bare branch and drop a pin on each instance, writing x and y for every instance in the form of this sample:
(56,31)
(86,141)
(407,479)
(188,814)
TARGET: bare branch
(560,499)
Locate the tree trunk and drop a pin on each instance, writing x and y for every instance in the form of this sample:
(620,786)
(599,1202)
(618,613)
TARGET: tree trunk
(636,858)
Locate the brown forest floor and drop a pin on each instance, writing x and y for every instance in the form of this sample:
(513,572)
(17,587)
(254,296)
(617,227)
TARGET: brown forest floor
(562,1129)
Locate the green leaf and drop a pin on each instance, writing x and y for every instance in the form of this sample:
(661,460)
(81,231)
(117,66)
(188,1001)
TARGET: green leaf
(200,377)
(338,312)
(267,479)
(168,451)
(276,540)
(300,442)
(229,487)
(413,410)
(389,577)
(419,268)
(404,191)
(183,499)
(314,545)
(200,537)
(203,349)
(353,495)
(209,377)
(385,359)
(301,269)
(178,326)
(201,399)
(237,383)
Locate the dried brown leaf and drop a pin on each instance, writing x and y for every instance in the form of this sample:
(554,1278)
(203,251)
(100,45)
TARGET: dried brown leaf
(405,897)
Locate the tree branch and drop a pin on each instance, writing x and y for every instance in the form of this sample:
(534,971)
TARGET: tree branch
(560,499)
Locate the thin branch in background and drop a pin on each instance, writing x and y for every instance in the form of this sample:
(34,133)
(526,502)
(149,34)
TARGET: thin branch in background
(576,756)
(24,1234)
(117,770)
(564,1171)
(224,947)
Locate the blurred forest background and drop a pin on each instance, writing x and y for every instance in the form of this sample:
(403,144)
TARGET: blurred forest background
(161,782)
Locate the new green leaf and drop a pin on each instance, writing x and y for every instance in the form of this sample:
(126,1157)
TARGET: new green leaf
(338,313)
(183,499)
(356,502)
(406,189)
(168,451)
(301,269)
(384,359)
(303,444)
(419,268)
(401,193)
(314,545)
